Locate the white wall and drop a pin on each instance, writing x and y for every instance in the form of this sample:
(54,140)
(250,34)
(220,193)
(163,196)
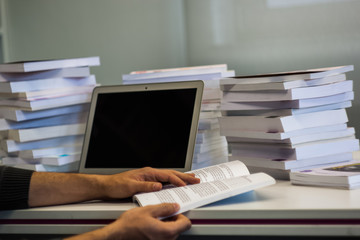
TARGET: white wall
(128,35)
(263,36)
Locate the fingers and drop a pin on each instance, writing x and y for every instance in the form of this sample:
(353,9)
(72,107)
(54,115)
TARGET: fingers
(150,186)
(170,228)
(173,177)
(181,223)
(173,226)
(146,186)
(178,223)
(190,178)
(144,180)
(163,210)
(187,177)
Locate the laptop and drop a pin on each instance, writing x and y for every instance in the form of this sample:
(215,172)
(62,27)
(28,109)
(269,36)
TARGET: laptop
(142,125)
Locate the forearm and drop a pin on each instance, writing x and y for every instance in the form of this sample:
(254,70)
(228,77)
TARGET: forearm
(142,223)
(61,188)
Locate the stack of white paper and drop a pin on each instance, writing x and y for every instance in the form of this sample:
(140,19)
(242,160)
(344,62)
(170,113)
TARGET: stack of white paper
(341,175)
(210,148)
(283,122)
(43,110)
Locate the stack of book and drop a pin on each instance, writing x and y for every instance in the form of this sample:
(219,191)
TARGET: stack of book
(210,148)
(43,112)
(340,175)
(284,122)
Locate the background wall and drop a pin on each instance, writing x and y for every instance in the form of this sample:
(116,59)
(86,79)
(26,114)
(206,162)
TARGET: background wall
(251,36)
(128,35)
(265,36)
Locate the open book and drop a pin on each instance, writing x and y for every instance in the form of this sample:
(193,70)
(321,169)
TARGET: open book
(217,182)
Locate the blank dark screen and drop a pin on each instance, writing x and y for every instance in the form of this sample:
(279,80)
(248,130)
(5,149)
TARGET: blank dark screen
(138,129)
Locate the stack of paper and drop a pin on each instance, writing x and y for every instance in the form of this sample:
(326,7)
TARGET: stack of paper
(43,112)
(341,175)
(210,148)
(283,122)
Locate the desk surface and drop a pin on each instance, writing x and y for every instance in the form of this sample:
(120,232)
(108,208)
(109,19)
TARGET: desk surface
(281,209)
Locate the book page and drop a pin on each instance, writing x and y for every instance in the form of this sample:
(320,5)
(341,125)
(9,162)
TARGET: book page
(196,195)
(221,171)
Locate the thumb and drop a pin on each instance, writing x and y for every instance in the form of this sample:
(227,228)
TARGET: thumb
(148,186)
(164,209)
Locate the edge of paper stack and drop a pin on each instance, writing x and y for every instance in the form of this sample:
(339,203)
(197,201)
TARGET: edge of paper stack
(43,111)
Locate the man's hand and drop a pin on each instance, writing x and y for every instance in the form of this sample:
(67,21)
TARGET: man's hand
(48,188)
(147,179)
(142,223)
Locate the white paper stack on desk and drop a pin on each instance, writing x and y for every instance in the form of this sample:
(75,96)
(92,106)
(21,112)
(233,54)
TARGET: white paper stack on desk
(43,110)
(283,122)
(341,175)
(210,148)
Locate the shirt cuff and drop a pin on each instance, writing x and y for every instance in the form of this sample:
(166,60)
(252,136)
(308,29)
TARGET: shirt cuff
(14,188)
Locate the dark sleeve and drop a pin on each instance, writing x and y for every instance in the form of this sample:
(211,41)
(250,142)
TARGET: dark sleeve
(14,187)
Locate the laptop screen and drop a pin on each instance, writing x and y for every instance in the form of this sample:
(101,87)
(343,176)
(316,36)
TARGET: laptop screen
(140,128)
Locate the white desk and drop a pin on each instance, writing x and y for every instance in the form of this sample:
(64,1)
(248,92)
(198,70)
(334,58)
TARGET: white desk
(278,210)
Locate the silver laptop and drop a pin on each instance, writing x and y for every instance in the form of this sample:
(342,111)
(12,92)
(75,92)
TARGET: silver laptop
(134,126)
